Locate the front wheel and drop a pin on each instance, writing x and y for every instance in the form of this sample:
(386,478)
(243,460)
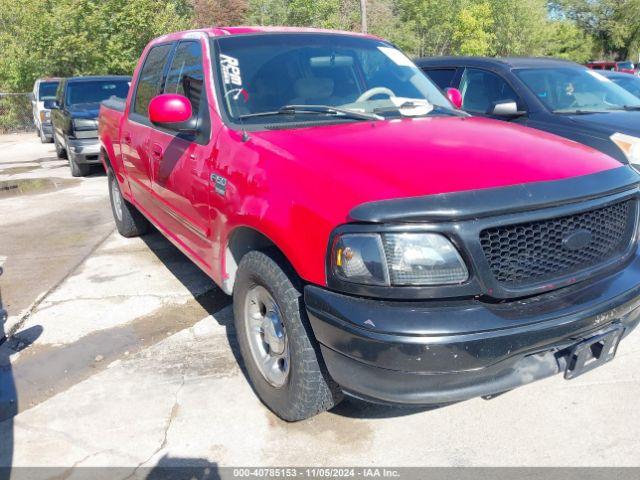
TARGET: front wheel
(281,356)
(78,170)
(60,152)
(129,221)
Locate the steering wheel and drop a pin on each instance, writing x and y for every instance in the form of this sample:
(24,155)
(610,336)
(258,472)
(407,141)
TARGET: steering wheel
(372,92)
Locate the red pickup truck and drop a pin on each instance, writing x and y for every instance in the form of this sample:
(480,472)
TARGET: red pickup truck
(377,241)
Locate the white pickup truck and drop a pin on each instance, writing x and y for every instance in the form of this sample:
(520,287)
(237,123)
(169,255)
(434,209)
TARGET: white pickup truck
(44,92)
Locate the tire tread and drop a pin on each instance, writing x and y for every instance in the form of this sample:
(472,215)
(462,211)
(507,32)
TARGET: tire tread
(314,391)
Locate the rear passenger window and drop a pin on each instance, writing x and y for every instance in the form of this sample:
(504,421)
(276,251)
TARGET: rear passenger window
(481,90)
(148,84)
(186,74)
(442,77)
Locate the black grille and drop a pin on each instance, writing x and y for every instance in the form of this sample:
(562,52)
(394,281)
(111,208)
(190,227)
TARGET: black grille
(535,251)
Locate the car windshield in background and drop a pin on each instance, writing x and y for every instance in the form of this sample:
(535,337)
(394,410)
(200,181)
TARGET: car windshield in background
(629,82)
(626,65)
(341,77)
(576,90)
(95,91)
(47,91)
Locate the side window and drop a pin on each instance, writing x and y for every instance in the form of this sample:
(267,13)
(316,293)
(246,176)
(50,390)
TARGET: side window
(150,78)
(442,77)
(186,74)
(481,89)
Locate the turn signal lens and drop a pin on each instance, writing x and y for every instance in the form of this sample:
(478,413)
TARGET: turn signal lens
(630,146)
(359,258)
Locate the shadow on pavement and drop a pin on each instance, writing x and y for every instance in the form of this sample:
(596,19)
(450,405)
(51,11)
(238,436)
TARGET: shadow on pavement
(170,468)
(97,171)
(352,407)
(214,300)
(8,393)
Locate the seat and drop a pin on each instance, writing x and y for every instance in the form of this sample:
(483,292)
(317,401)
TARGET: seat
(313,91)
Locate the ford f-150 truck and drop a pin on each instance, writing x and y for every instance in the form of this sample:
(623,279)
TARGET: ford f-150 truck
(377,241)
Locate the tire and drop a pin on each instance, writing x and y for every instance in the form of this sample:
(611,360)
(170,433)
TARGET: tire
(60,152)
(305,388)
(43,138)
(78,170)
(129,221)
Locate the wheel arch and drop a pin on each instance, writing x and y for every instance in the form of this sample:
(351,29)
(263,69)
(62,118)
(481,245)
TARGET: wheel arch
(106,160)
(242,240)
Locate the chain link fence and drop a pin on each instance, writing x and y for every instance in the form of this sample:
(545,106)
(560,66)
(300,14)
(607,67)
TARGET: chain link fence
(15,113)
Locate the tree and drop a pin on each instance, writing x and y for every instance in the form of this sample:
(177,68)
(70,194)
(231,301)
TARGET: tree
(521,27)
(566,40)
(432,23)
(473,31)
(79,37)
(614,24)
(219,12)
(338,14)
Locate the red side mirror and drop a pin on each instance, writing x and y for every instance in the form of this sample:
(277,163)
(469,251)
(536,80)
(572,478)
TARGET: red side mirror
(169,108)
(454,95)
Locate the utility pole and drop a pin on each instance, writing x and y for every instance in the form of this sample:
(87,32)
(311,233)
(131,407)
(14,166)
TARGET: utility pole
(363,15)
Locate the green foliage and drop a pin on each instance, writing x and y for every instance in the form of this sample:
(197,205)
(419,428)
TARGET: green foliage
(79,37)
(473,32)
(568,41)
(613,24)
(337,14)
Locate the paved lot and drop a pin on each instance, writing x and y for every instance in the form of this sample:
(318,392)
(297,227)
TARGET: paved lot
(124,356)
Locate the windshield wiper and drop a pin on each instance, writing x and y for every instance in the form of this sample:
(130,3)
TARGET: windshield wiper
(315,109)
(622,108)
(579,112)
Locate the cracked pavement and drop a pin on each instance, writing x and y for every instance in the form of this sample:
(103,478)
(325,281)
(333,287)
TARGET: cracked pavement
(124,355)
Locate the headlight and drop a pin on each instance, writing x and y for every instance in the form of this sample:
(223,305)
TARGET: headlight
(84,124)
(397,259)
(45,115)
(630,146)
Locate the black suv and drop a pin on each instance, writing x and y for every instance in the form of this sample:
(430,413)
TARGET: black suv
(557,96)
(74,115)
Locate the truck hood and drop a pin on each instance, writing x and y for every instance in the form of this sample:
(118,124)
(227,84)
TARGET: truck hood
(368,161)
(84,110)
(626,122)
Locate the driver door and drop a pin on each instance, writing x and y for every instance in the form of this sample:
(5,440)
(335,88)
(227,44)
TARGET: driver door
(180,163)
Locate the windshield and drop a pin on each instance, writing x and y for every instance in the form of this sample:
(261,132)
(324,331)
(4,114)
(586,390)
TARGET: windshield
(571,90)
(261,74)
(95,91)
(630,83)
(47,91)
(626,65)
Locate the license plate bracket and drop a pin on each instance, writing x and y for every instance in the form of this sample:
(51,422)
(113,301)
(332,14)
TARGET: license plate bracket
(593,352)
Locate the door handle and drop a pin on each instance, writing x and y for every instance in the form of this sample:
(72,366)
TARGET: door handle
(156,151)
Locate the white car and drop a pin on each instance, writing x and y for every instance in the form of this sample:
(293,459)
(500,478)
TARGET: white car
(44,92)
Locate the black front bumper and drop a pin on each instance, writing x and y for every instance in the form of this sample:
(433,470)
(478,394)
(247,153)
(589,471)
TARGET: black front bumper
(84,151)
(430,352)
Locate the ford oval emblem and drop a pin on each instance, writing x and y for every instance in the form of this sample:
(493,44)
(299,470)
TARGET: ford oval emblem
(577,240)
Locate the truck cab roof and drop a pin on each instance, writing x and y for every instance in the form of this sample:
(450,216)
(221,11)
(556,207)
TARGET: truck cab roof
(251,30)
